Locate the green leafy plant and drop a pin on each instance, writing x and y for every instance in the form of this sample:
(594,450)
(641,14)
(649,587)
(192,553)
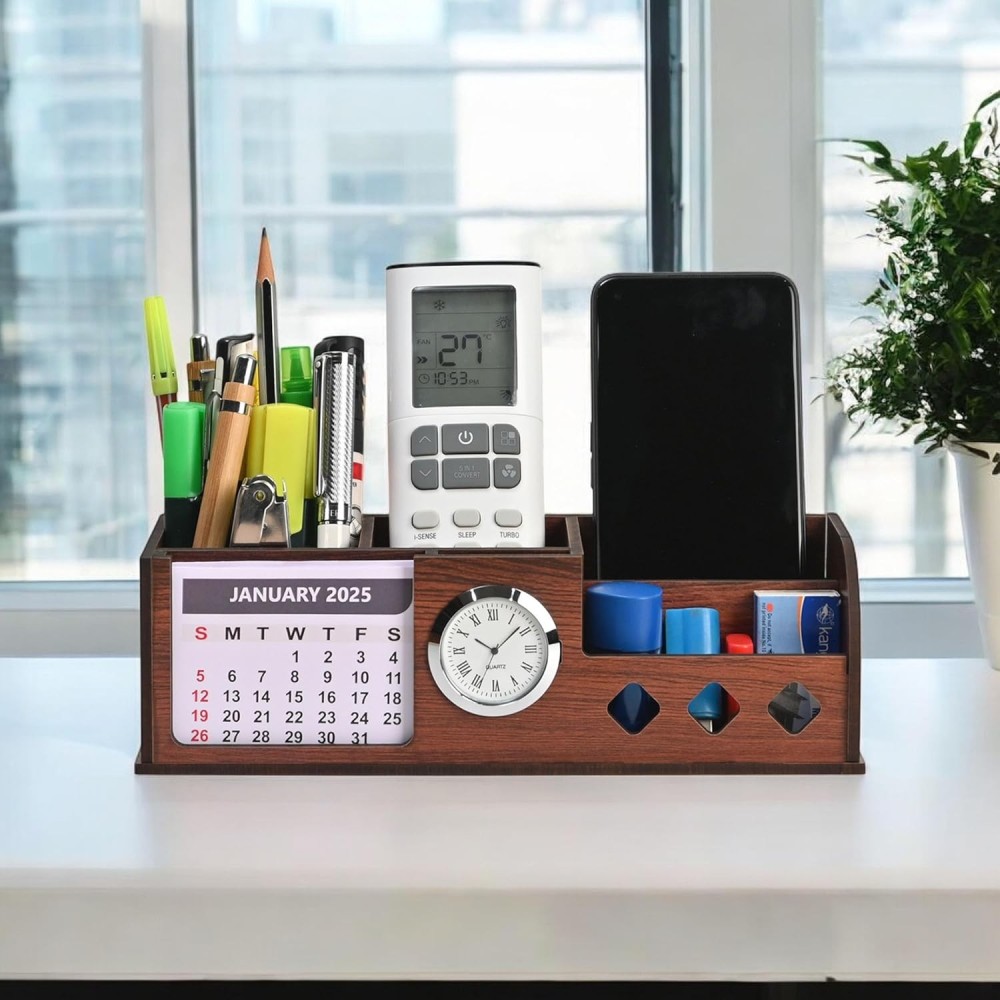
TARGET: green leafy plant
(932,362)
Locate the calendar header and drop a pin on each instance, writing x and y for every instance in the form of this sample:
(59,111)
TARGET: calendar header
(298,596)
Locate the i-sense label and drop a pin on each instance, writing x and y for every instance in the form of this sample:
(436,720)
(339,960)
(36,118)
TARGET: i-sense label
(292,653)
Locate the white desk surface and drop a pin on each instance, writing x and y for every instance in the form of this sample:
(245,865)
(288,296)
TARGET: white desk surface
(894,875)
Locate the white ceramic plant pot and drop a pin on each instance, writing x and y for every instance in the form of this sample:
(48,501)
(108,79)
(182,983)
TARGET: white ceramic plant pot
(979,495)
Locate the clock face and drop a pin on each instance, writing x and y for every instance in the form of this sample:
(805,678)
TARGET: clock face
(494,650)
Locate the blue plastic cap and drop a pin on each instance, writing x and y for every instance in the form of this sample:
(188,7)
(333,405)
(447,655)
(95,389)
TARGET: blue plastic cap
(623,617)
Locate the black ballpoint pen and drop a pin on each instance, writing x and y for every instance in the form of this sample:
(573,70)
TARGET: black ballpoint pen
(227,348)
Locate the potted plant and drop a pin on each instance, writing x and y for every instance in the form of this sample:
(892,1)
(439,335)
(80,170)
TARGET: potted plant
(932,361)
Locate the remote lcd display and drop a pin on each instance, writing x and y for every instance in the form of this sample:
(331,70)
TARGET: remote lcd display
(464,346)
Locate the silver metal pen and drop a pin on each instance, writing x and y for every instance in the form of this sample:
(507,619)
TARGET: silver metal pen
(334,376)
(199,347)
(213,402)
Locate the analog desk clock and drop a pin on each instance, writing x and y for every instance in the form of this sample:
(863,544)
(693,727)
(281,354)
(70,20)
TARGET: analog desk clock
(494,650)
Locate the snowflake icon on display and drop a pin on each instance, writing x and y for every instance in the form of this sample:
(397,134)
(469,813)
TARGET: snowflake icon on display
(439,304)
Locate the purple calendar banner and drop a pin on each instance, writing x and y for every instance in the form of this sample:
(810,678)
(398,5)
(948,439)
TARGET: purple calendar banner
(291,596)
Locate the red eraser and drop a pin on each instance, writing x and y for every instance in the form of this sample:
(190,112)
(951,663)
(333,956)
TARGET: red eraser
(739,642)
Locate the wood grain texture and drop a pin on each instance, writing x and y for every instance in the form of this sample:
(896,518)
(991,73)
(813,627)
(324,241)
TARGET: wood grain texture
(146,642)
(844,566)
(569,729)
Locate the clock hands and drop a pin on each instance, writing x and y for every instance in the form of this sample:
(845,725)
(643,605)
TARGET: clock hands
(500,644)
(493,649)
(487,621)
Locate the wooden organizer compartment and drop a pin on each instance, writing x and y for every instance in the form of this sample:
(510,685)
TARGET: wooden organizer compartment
(569,730)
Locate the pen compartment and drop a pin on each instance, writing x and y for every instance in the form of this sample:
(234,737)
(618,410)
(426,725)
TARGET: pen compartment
(576,726)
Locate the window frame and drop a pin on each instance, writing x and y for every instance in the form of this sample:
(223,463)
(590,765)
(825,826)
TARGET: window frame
(735,68)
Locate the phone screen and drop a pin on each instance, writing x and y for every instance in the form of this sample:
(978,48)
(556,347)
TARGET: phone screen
(697,427)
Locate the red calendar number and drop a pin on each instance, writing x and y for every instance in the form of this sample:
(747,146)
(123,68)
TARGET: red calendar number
(199,735)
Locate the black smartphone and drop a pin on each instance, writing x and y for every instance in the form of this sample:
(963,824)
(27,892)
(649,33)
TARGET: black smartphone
(697,431)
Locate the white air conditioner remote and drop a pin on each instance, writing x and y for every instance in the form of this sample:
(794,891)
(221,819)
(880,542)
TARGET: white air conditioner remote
(464,345)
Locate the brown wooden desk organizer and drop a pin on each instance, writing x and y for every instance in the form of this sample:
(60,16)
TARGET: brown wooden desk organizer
(570,729)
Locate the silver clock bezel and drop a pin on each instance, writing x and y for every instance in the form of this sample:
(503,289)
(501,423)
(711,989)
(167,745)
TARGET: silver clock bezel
(530,604)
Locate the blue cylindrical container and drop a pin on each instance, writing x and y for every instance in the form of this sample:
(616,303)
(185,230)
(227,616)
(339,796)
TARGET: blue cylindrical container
(623,617)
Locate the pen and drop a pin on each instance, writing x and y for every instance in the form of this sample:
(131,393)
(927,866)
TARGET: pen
(333,401)
(199,358)
(219,498)
(201,385)
(268,355)
(357,346)
(213,400)
(162,368)
(228,348)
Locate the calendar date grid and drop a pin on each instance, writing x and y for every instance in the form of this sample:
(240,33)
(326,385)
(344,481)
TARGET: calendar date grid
(353,691)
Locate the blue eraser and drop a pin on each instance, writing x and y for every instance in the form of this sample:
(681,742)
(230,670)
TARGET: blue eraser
(673,630)
(622,617)
(708,703)
(692,631)
(796,621)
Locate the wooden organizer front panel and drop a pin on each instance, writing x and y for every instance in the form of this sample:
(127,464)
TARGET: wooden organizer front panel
(569,729)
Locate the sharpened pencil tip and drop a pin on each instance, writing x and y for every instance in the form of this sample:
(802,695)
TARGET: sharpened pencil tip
(263,232)
(265,268)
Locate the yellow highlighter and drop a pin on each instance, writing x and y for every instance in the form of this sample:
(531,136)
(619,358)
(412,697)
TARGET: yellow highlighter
(278,447)
(162,368)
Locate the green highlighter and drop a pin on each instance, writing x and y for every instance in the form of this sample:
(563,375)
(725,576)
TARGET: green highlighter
(297,387)
(296,376)
(183,429)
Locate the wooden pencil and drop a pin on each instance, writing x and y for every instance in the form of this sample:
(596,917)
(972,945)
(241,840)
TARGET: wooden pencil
(268,351)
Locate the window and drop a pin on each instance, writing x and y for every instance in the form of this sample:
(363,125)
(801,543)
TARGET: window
(73,371)
(368,133)
(908,72)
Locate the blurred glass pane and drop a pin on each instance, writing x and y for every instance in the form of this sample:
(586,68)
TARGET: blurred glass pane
(910,73)
(73,373)
(364,133)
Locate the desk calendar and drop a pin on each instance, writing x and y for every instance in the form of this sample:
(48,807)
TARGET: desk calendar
(284,653)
